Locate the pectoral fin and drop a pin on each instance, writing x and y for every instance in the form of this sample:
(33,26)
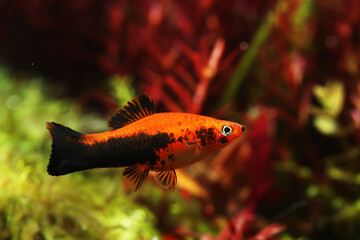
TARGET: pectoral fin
(166,179)
(136,176)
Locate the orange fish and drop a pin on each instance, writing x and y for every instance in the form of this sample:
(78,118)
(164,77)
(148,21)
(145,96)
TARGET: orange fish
(142,141)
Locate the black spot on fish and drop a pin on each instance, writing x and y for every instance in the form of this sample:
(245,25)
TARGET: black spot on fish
(210,135)
(180,139)
(224,140)
(171,157)
(163,162)
(202,136)
(172,139)
(206,135)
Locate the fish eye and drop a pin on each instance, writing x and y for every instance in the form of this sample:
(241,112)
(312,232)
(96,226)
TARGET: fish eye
(226,130)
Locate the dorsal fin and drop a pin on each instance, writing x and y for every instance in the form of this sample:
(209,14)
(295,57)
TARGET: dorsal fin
(138,108)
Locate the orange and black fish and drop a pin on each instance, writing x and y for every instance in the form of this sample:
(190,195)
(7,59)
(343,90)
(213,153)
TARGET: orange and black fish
(142,141)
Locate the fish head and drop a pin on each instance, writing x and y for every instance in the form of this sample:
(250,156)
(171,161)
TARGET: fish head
(227,132)
(216,134)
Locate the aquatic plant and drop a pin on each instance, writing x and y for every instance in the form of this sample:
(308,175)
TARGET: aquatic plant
(34,205)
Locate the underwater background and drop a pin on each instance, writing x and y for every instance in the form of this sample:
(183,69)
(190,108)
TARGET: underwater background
(288,70)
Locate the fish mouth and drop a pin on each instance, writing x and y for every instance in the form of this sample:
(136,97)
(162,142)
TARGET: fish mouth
(238,135)
(229,140)
(233,138)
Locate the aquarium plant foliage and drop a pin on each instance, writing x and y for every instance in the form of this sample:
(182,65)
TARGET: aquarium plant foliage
(34,205)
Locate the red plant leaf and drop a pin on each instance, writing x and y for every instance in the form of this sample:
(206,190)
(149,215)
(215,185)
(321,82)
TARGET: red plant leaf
(237,226)
(179,90)
(269,232)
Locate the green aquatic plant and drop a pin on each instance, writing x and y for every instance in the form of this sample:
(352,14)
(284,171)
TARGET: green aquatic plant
(34,205)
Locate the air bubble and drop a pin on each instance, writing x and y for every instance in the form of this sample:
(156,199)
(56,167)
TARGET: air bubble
(243,45)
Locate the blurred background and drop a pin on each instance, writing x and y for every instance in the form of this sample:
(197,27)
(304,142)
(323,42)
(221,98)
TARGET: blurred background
(287,70)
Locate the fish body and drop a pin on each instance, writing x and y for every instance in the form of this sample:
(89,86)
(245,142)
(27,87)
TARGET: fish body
(142,141)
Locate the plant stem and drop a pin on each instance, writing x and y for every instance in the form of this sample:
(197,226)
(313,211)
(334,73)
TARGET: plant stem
(250,55)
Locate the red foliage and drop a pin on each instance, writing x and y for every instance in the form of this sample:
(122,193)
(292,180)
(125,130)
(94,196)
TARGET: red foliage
(269,232)
(240,227)
(244,170)
(260,158)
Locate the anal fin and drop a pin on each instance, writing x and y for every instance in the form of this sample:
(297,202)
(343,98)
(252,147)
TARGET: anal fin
(136,176)
(166,179)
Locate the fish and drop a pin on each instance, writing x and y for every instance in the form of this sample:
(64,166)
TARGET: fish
(141,140)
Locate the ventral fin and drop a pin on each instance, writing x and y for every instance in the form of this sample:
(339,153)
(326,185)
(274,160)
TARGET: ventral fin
(138,108)
(166,179)
(136,176)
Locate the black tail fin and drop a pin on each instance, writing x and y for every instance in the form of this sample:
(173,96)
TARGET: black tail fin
(65,150)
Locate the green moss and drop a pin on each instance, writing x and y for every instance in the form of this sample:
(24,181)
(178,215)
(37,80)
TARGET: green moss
(34,205)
